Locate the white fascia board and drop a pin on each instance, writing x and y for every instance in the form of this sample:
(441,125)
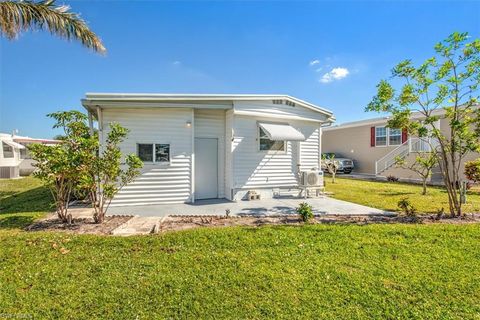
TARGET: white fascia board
(201,97)
(275,116)
(150,104)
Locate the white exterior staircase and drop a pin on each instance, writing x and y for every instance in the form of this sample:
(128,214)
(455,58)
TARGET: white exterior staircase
(402,151)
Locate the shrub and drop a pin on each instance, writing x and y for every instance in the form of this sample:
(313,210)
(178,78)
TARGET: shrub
(305,211)
(472,170)
(407,207)
(392,178)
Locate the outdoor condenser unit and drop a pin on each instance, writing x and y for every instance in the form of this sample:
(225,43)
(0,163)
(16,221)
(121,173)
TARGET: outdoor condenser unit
(312,178)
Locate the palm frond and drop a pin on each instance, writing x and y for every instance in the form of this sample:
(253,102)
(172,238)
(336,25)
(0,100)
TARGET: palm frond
(19,16)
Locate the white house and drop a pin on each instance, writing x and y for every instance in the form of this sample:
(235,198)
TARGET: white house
(14,158)
(203,146)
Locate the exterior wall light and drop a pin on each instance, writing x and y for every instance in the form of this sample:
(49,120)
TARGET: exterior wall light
(189,124)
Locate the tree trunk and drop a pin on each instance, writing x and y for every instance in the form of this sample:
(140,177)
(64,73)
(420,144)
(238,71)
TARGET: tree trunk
(450,179)
(424,186)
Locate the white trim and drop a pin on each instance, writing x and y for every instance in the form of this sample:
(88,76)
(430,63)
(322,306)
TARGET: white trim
(387,142)
(101,98)
(386,137)
(14,144)
(192,159)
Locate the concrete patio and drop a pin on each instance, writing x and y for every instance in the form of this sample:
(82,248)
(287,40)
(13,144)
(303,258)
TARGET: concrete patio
(279,206)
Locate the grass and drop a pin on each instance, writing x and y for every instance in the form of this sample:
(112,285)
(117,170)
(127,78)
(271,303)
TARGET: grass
(311,271)
(375,271)
(385,195)
(22,201)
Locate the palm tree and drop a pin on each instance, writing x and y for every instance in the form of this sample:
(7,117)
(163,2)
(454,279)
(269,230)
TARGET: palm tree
(19,16)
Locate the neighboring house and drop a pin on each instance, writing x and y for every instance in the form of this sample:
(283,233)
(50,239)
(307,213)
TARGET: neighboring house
(212,146)
(374,147)
(15,160)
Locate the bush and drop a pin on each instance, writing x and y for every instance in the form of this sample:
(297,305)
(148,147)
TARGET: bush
(407,207)
(392,178)
(472,170)
(305,211)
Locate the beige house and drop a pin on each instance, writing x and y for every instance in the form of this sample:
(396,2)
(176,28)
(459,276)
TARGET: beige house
(374,147)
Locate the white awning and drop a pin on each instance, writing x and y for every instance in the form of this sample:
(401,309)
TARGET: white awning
(281,132)
(14,144)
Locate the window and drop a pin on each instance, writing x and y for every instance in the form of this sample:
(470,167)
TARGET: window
(7,150)
(380,136)
(265,144)
(24,154)
(387,137)
(153,152)
(394,137)
(162,153)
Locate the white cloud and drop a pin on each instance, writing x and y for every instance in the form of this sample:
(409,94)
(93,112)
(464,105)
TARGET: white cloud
(314,62)
(176,63)
(334,74)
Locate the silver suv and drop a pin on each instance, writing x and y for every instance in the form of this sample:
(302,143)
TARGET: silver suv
(345,165)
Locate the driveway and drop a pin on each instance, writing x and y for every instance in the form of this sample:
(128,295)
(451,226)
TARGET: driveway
(279,206)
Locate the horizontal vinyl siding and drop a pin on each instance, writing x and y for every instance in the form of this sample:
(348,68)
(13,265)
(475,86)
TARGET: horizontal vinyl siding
(260,169)
(158,184)
(211,124)
(310,148)
(267,108)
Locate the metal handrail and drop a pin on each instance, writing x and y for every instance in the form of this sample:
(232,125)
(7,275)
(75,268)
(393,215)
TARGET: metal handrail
(403,150)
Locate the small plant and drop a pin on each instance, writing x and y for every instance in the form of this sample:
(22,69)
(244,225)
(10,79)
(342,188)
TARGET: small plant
(407,207)
(472,170)
(331,165)
(305,211)
(391,178)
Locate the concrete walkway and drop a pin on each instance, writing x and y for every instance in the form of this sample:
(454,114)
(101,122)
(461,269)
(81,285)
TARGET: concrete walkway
(282,206)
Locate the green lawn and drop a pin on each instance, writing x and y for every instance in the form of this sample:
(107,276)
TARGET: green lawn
(312,271)
(22,201)
(385,195)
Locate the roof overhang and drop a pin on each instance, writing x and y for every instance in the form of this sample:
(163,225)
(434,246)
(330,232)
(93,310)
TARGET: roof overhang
(14,144)
(196,101)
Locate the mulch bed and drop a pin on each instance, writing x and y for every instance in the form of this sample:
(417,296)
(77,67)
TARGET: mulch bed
(174,223)
(80,225)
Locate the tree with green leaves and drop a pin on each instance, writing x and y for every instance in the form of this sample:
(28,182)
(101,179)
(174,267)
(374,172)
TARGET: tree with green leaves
(444,86)
(422,165)
(20,16)
(103,175)
(79,164)
(59,165)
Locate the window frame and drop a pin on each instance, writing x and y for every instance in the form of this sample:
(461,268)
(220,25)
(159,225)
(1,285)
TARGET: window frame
(390,135)
(154,156)
(282,151)
(387,136)
(10,152)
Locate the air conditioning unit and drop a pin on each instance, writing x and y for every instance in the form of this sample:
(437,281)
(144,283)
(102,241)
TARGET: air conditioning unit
(312,178)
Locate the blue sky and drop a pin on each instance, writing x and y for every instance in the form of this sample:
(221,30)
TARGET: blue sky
(329,53)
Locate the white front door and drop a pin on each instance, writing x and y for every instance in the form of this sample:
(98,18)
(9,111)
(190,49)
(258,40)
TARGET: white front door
(206,168)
